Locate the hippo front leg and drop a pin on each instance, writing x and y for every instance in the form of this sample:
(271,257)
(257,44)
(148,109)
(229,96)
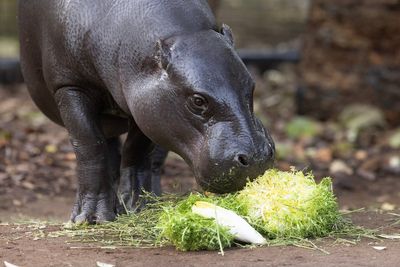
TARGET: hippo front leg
(96,198)
(136,168)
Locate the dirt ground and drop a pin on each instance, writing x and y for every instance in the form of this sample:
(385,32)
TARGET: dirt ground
(19,247)
(37,182)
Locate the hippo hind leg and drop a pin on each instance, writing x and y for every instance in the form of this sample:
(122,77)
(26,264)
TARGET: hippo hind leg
(158,157)
(96,156)
(141,169)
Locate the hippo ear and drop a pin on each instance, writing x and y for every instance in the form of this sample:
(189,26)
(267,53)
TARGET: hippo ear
(163,53)
(227,33)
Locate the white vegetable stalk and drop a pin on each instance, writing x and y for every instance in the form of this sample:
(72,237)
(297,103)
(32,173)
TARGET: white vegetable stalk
(238,227)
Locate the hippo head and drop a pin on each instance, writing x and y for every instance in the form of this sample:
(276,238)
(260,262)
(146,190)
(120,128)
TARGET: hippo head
(200,105)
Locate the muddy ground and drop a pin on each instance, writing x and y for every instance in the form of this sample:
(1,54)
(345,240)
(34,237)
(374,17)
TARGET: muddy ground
(37,182)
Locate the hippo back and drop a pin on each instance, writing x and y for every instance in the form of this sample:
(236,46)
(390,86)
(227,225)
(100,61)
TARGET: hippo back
(80,42)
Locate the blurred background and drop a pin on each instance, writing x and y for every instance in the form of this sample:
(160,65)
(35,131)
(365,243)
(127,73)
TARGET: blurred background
(328,87)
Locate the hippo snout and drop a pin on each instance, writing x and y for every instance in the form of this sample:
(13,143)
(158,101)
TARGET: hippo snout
(230,173)
(262,157)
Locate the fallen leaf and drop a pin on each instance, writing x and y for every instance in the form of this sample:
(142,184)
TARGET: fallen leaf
(358,117)
(102,264)
(342,149)
(394,236)
(388,206)
(302,127)
(361,155)
(394,140)
(28,185)
(17,202)
(7,264)
(394,162)
(51,149)
(372,164)
(379,248)
(70,156)
(338,166)
(324,154)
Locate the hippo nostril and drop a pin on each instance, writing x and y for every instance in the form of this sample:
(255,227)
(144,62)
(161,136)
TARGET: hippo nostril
(242,160)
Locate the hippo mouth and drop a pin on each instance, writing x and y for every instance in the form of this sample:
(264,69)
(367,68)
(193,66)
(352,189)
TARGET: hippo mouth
(233,180)
(223,185)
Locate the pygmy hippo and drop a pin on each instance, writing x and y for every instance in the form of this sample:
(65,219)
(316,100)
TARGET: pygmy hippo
(164,72)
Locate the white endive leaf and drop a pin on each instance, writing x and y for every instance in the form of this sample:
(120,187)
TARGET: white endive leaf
(102,264)
(238,226)
(7,264)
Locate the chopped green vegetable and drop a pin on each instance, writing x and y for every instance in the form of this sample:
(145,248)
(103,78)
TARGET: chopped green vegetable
(189,231)
(290,204)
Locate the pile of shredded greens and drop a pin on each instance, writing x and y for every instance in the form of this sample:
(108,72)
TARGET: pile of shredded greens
(290,204)
(280,205)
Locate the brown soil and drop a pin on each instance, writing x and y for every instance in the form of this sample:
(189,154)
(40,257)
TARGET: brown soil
(37,182)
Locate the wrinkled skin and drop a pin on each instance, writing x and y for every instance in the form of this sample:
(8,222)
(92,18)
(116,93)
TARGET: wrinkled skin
(161,71)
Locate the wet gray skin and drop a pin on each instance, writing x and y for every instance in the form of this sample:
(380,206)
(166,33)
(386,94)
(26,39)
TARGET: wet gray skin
(164,72)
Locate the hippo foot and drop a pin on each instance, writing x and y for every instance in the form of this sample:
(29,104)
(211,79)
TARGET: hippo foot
(134,183)
(94,208)
(130,203)
(125,203)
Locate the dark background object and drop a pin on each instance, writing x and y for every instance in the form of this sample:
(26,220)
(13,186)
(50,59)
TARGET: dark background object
(10,72)
(266,60)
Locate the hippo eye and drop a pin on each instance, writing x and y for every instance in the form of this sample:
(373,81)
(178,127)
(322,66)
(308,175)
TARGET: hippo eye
(197,104)
(198,100)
